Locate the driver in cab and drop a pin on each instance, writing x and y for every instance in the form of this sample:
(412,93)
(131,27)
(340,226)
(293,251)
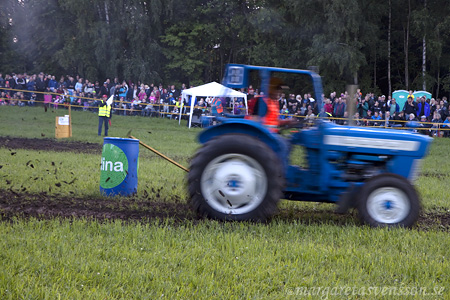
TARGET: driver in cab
(266,108)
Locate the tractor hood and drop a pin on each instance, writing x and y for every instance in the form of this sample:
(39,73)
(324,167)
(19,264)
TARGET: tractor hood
(374,140)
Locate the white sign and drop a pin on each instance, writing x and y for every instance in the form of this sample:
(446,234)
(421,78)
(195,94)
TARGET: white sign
(110,100)
(63,120)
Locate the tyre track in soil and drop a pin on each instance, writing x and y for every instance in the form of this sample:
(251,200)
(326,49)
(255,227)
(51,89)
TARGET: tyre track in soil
(45,206)
(46,144)
(48,206)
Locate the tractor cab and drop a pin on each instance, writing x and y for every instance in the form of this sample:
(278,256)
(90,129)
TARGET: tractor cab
(287,81)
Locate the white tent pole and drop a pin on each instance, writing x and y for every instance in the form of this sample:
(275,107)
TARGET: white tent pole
(191,112)
(246,106)
(181,107)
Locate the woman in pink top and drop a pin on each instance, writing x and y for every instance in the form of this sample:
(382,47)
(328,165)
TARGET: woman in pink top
(47,101)
(152,98)
(141,94)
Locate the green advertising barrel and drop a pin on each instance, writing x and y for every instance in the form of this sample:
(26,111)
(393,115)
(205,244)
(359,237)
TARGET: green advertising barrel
(119,167)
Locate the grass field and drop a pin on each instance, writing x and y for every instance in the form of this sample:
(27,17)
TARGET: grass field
(305,252)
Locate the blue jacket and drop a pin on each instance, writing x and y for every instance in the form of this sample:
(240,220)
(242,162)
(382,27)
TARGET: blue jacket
(123,92)
(447,123)
(52,83)
(31,85)
(426,110)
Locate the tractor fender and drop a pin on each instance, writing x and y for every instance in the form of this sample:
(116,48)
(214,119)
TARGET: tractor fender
(276,142)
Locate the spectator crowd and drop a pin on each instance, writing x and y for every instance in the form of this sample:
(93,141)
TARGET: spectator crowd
(422,114)
(131,98)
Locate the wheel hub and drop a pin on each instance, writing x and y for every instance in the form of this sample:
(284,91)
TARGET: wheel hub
(234,183)
(388,205)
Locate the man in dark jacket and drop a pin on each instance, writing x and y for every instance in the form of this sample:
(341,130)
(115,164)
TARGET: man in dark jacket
(410,107)
(41,87)
(71,84)
(21,83)
(104,90)
(339,110)
(399,119)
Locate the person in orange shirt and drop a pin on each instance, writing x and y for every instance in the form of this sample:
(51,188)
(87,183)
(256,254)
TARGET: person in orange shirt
(216,106)
(270,114)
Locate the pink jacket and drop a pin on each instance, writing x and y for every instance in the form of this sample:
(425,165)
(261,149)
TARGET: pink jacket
(47,98)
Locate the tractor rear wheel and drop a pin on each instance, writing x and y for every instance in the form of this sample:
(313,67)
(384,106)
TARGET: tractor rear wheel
(235,177)
(388,200)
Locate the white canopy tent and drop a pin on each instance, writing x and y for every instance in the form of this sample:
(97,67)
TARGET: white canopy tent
(212,89)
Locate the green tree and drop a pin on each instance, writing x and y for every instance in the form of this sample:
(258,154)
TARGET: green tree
(198,42)
(9,59)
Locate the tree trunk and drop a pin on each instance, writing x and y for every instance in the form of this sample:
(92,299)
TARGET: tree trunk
(106,13)
(438,77)
(406,45)
(389,49)
(221,64)
(424,56)
(424,63)
(99,11)
(375,70)
(438,58)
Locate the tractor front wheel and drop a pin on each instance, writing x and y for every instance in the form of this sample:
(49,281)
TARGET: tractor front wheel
(235,177)
(388,200)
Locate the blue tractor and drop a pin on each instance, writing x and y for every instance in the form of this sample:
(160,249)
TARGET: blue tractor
(243,168)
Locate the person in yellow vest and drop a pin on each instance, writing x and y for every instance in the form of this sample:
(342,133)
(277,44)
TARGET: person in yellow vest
(104,112)
(179,106)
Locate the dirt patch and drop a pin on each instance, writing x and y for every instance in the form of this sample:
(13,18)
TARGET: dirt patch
(435,221)
(45,206)
(439,220)
(435,175)
(46,144)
